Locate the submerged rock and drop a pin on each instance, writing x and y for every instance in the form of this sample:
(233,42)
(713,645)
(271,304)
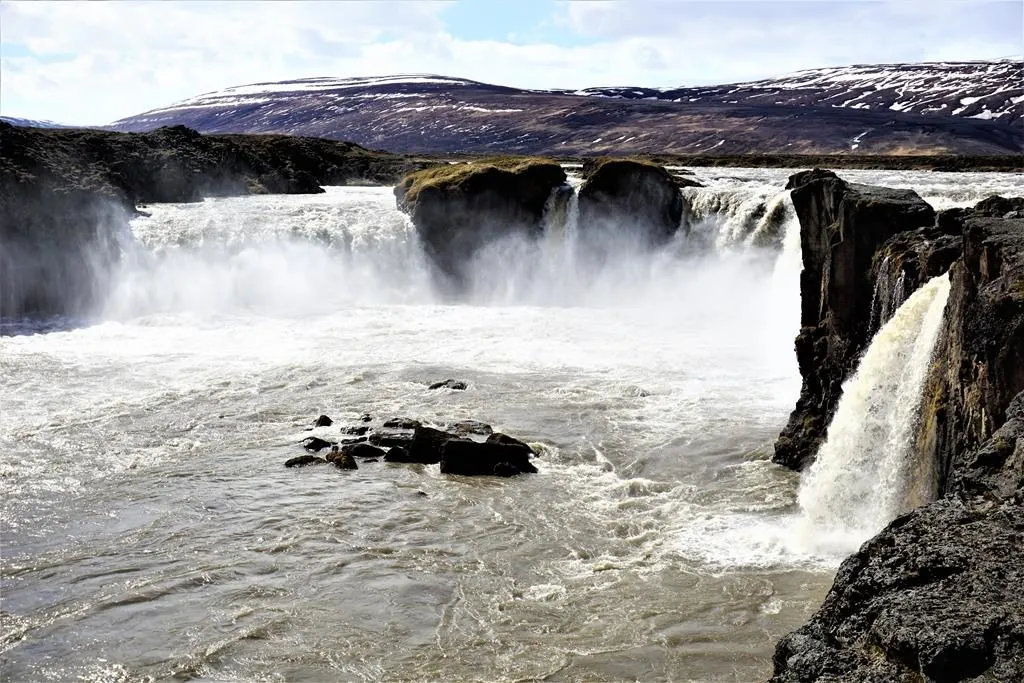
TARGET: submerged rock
(303,460)
(315,444)
(452,384)
(473,458)
(366,417)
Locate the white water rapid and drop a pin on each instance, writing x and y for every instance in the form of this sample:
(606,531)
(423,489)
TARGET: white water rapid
(863,470)
(151,532)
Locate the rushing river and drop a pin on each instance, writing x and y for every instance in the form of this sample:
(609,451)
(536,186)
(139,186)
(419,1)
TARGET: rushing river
(150,531)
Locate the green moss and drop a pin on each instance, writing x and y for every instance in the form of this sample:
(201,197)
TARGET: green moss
(452,176)
(1016,288)
(592,166)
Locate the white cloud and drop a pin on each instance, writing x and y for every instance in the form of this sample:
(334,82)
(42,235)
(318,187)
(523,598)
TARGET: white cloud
(91,63)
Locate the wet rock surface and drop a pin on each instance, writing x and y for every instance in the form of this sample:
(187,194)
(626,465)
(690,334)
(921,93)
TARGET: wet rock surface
(363,450)
(938,595)
(843,226)
(390,439)
(466,447)
(474,458)
(637,196)
(344,461)
(356,431)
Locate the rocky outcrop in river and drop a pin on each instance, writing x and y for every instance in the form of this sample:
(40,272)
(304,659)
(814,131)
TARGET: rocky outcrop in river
(460,208)
(467,447)
(66,196)
(937,595)
(638,196)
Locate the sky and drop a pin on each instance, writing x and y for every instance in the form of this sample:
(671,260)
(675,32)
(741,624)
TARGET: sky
(92,63)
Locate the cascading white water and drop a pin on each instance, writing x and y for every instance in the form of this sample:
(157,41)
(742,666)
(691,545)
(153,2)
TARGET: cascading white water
(288,255)
(740,217)
(859,480)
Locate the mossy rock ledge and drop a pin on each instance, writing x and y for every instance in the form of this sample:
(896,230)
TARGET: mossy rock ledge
(629,195)
(459,208)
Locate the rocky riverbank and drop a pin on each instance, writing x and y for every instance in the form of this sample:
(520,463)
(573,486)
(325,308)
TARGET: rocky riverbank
(66,196)
(937,594)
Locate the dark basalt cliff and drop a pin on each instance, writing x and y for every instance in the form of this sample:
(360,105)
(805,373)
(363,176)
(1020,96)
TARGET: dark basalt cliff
(66,196)
(843,225)
(459,208)
(937,595)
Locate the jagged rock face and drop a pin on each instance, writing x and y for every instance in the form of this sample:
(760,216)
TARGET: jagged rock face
(66,196)
(625,195)
(939,594)
(843,226)
(936,596)
(458,209)
(979,360)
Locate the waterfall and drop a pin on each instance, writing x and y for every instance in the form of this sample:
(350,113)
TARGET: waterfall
(860,479)
(738,217)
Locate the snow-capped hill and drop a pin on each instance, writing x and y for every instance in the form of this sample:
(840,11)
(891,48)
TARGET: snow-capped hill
(983,90)
(401,86)
(30,123)
(427,113)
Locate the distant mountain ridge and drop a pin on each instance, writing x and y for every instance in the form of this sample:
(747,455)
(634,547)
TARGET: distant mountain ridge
(952,107)
(982,90)
(30,123)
